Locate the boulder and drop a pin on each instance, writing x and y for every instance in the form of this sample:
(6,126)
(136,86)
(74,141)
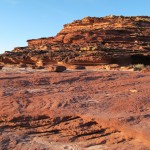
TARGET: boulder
(56,68)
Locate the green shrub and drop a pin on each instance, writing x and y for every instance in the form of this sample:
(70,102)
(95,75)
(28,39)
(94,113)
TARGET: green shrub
(138,67)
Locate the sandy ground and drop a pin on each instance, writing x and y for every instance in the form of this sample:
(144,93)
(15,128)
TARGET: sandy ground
(74,110)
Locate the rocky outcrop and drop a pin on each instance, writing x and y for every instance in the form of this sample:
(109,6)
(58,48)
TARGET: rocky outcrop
(110,39)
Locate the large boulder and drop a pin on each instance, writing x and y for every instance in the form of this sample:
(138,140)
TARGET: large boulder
(56,68)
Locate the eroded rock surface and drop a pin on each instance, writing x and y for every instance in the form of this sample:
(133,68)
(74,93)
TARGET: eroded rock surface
(111,39)
(74,110)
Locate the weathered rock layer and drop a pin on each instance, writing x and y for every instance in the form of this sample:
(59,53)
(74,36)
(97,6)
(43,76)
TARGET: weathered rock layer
(84,110)
(111,39)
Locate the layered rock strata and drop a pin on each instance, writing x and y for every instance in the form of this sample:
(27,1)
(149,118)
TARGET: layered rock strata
(92,40)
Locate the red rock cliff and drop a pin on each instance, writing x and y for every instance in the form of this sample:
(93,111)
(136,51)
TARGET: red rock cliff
(111,39)
(107,32)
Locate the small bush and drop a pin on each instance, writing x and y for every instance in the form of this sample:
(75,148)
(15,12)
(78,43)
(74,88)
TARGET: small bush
(138,67)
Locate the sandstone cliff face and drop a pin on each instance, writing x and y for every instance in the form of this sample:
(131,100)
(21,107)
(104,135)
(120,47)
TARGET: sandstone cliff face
(111,39)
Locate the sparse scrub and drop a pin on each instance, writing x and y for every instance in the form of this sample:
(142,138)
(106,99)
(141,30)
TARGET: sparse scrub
(138,67)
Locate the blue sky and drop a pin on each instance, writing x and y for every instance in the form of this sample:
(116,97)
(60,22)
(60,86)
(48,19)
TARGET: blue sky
(26,19)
